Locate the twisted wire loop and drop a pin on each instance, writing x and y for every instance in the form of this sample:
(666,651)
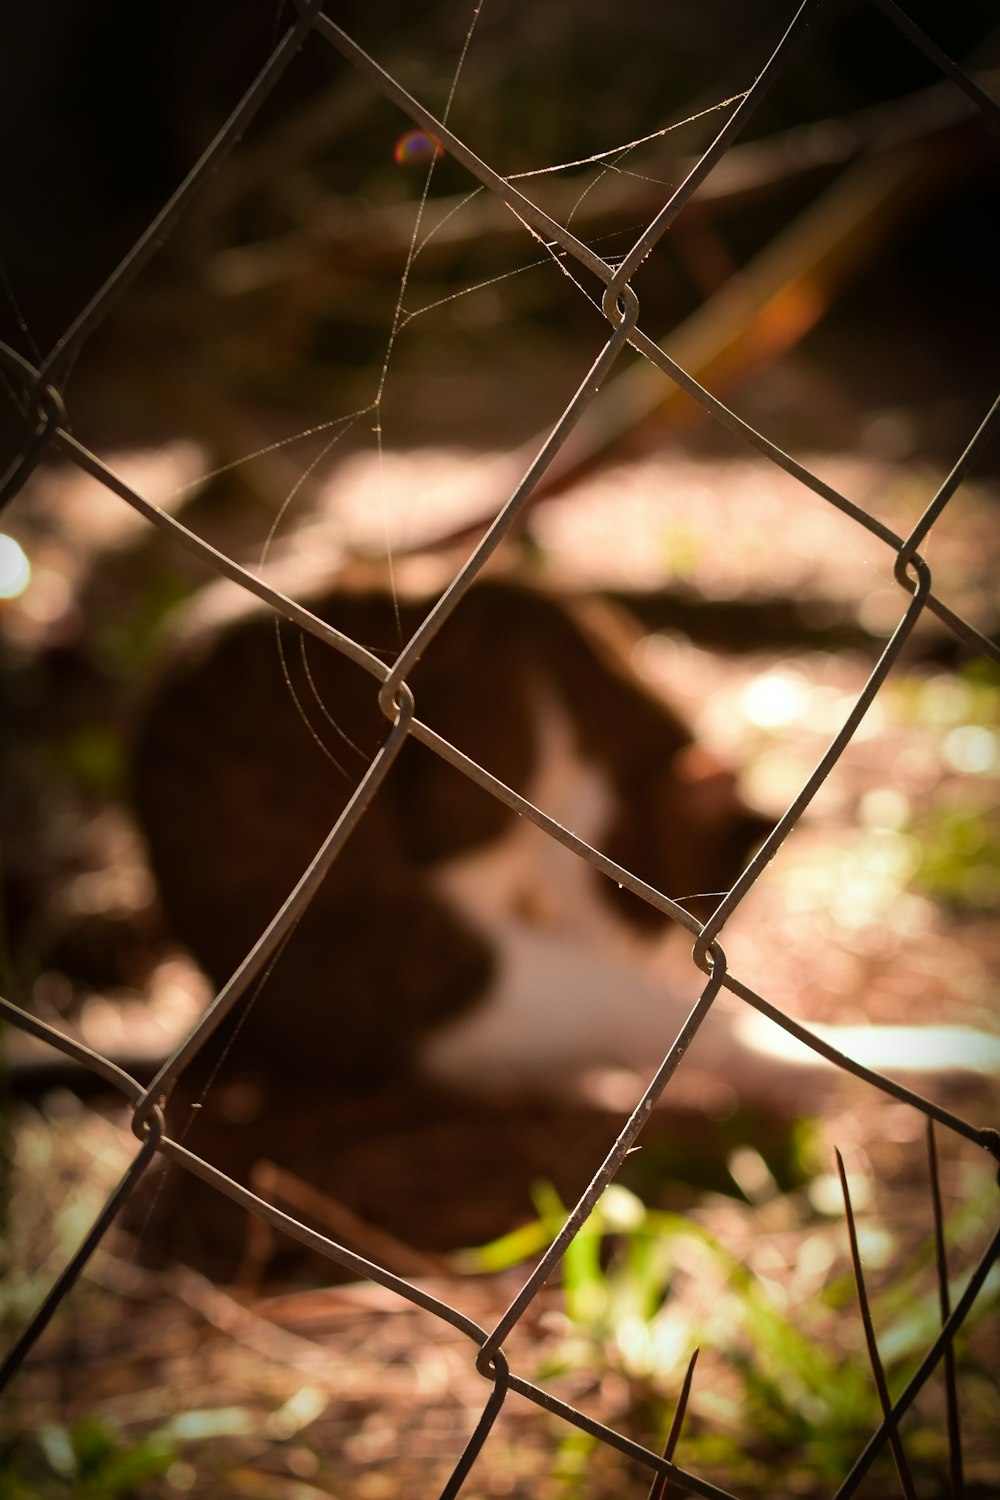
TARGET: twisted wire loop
(499,1373)
(738,120)
(40,405)
(41,411)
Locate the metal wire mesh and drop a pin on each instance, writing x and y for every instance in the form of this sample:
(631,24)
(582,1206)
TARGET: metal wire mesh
(42,406)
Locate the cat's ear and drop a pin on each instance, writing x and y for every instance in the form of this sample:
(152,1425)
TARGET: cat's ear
(707,790)
(685,830)
(715,815)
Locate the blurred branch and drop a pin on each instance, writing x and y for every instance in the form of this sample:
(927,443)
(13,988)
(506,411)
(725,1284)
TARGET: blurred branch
(345,233)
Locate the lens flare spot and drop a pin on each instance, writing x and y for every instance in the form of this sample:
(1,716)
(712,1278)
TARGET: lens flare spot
(15,569)
(774,699)
(415,148)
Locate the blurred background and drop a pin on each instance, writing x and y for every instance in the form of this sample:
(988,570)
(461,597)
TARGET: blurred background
(834,282)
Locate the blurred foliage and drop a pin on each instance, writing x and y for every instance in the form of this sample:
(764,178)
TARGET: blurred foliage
(958,834)
(959,858)
(88,1461)
(802,1402)
(92,758)
(94,1459)
(971,696)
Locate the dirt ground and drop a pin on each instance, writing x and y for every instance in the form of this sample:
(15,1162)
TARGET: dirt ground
(228,1361)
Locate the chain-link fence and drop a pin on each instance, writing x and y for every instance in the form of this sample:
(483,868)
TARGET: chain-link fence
(38,391)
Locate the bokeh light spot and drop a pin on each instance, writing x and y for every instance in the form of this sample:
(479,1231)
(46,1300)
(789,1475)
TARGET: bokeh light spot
(774,699)
(15,569)
(973,748)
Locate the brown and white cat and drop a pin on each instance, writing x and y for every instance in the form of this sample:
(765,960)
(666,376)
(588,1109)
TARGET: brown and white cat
(451,937)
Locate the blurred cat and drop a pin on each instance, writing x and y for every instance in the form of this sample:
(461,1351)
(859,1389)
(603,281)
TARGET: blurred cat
(445,908)
(451,939)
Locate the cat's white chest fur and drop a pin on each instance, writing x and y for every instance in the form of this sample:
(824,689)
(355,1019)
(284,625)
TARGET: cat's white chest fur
(577,991)
(574,987)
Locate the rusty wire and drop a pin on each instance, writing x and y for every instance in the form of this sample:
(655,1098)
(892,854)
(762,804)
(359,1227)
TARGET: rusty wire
(42,404)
